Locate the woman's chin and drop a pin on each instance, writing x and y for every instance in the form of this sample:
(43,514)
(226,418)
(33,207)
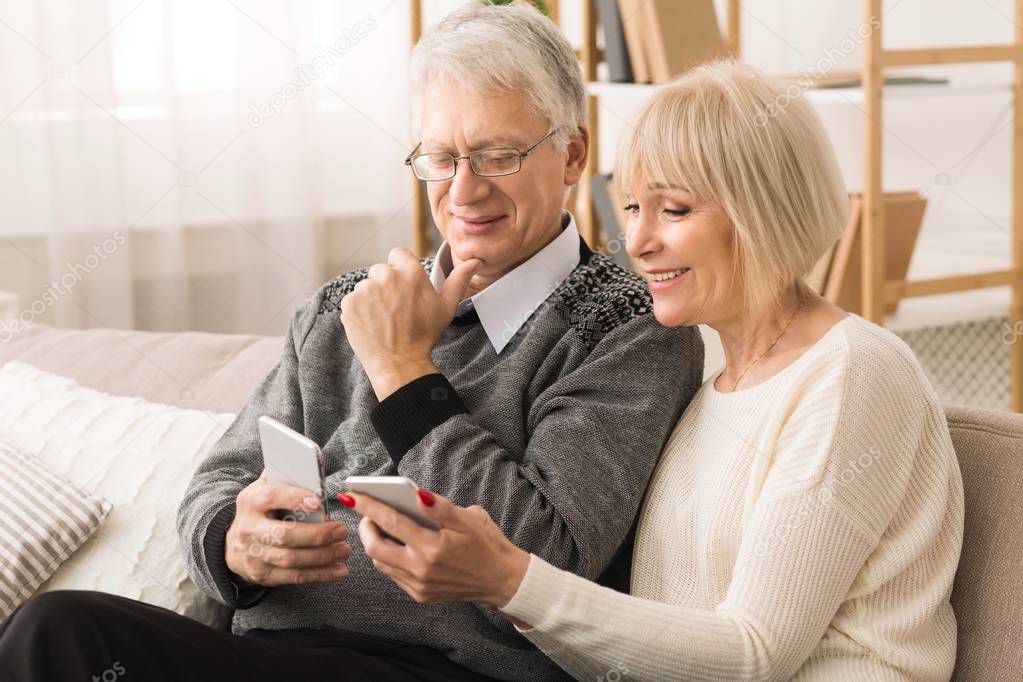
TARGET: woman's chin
(669,315)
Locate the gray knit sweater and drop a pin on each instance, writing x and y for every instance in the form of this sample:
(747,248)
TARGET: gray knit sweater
(556,438)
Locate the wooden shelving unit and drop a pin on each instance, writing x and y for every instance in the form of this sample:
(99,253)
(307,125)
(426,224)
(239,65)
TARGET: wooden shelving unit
(420,224)
(877,288)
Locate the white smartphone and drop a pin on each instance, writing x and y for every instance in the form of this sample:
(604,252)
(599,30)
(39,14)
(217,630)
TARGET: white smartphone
(394,491)
(292,459)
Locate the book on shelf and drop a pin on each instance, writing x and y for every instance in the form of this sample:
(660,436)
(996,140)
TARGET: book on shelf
(903,218)
(629,15)
(616,52)
(854,79)
(679,35)
(608,208)
(662,38)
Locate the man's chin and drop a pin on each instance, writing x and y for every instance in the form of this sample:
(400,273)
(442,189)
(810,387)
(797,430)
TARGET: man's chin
(465,249)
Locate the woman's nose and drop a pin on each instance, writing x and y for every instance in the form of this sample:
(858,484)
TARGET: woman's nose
(640,236)
(467,187)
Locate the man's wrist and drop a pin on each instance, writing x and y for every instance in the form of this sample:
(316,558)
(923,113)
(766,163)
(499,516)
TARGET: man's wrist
(388,376)
(413,410)
(233,571)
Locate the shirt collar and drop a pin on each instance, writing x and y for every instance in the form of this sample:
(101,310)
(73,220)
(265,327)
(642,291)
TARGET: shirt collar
(504,306)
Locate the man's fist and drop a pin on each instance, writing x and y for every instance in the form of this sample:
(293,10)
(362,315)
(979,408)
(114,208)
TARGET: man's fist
(262,549)
(394,317)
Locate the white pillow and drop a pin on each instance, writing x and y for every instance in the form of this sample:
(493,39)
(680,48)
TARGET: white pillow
(138,455)
(43,520)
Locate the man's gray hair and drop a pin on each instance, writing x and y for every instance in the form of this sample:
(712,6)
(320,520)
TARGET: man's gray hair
(493,49)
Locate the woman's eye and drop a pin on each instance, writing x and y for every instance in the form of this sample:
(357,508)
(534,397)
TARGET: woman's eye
(631,208)
(678,212)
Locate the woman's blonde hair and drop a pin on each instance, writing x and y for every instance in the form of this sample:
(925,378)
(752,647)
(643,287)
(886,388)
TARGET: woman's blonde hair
(731,136)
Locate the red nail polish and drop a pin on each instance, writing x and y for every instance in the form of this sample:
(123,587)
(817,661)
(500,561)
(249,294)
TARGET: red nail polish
(426,496)
(346,499)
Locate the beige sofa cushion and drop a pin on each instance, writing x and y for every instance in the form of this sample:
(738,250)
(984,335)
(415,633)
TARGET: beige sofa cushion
(988,593)
(195,370)
(138,456)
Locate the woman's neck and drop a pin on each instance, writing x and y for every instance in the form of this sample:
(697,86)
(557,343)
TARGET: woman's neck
(749,340)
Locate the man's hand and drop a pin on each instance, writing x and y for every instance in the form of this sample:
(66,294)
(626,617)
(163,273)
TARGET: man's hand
(394,317)
(264,550)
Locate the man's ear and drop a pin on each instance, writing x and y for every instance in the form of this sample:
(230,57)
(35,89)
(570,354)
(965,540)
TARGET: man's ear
(578,151)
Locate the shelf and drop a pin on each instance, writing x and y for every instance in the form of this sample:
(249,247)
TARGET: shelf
(829,95)
(948,309)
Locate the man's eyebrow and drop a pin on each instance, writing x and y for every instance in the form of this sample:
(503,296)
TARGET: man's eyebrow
(490,142)
(502,142)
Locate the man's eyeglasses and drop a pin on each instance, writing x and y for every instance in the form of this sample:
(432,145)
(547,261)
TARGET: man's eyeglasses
(487,163)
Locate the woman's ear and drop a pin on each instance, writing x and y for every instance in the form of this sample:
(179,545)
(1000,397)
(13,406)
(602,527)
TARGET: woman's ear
(578,151)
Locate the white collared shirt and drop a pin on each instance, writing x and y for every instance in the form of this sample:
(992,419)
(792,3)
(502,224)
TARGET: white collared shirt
(504,306)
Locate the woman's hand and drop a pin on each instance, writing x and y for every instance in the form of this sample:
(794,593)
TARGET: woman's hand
(468,559)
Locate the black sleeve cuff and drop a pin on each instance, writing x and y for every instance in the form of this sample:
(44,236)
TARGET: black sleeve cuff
(226,581)
(414,410)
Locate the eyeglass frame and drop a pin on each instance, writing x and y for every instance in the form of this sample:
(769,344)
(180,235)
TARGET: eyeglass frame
(468,157)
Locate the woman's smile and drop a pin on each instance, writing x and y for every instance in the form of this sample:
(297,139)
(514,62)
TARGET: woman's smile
(665,279)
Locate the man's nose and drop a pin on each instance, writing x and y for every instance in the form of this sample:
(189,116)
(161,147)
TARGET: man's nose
(467,187)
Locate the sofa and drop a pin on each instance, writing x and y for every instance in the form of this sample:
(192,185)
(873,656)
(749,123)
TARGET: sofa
(216,372)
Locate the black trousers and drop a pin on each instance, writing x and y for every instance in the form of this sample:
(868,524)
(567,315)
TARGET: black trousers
(82,635)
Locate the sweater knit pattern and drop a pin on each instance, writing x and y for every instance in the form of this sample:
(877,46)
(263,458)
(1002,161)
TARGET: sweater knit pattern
(808,527)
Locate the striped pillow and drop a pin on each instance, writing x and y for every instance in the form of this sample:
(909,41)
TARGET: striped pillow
(43,520)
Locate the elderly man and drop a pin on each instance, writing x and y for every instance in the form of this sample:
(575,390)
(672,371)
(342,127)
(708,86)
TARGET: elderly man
(517,370)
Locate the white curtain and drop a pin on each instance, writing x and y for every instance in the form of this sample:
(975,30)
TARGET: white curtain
(197,164)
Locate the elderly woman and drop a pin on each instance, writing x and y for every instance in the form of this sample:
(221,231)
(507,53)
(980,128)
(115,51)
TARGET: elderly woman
(806,516)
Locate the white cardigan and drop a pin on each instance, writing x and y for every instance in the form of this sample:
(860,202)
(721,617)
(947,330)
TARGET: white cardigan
(809,526)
